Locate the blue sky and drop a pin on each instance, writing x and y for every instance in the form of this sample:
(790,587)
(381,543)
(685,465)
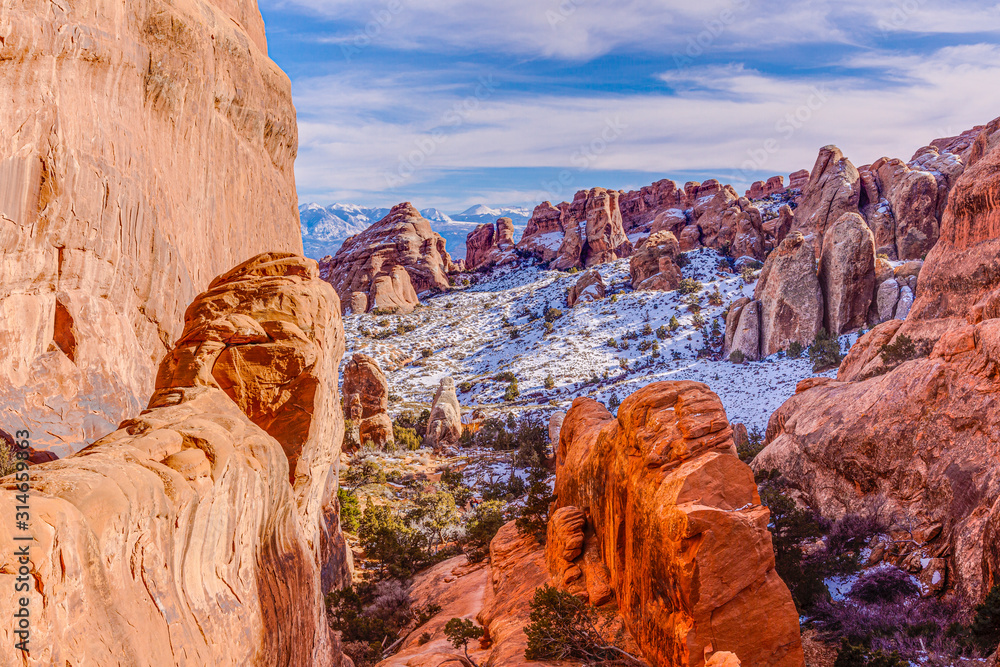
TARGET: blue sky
(448,103)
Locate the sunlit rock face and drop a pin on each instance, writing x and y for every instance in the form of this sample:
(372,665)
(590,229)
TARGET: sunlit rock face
(146,148)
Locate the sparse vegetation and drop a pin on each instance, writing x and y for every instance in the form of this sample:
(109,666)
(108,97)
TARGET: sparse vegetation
(562,627)
(553,314)
(737,357)
(460,631)
(690,286)
(481,526)
(795,349)
(533,516)
(755,444)
(825,353)
(550,382)
(897,351)
(350,513)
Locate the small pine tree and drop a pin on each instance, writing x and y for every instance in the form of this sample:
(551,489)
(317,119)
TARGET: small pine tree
(533,517)
(350,511)
(550,382)
(825,352)
(674,324)
(460,631)
(985,627)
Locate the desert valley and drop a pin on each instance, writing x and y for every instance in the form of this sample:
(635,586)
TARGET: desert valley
(680,425)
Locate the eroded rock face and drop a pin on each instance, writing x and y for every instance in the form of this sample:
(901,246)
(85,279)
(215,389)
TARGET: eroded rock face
(790,296)
(444,426)
(366,400)
(653,266)
(214,511)
(589,288)
(916,433)
(110,220)
(675,516)
(490,245)
(386,266)
(847,273)
(833,189)
(580,234)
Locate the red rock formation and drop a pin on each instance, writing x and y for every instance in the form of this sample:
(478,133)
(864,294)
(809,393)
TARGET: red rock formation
(366,401)
(833,189)
(146,148)
(640,208)
(653,266)
(917,434)
(490,245)
(790,295)
(586,232)
(797,180)
(589,288)
(214,511)
(444,427)
(847,273)
(678,524)
(386,266)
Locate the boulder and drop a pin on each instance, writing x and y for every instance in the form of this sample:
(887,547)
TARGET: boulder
(444,427)
(214,511)
(594,231)
(749,240)
(790,296)
(653,266)
(847,273)
(833,189)
(147,148)
(366,395)
(745,337)
(589,288)
(386,266)
(661,476)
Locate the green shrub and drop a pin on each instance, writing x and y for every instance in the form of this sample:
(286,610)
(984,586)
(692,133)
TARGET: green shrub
(550,382)
(454,483)
(613,402)
(505,376)
(824,353)
(747,451)
(512,392)
(8,459)
(612,343)
(435,514)
(682,260)
(406,438)
(737,357)
(795,349)
(412,420)
(689,286)
(647,330)
(748,274)
(614,298)
(465,387)
(368,471)
(562,628)
(674,324)
(548,327)
(396,548)
(553,314)
(481,526)
(899,350)
(426,352)
(350,512)
(460,631)
(662,333)
(859,656)
(715,298)
(985,626)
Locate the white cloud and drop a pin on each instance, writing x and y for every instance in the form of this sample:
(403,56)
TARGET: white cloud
(583,29)
(354,136)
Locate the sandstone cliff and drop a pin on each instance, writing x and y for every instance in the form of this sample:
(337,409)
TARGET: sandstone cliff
(490,245)
(366,401)
(386,266)
(146,148)
(204,530)
(918,432)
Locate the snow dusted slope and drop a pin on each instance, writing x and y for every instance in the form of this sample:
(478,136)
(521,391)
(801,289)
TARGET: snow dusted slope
(468,335)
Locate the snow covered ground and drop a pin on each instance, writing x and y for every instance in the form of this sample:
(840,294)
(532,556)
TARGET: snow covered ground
(497,325)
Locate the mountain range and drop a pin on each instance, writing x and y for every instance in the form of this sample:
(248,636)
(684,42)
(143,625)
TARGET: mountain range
(325,228)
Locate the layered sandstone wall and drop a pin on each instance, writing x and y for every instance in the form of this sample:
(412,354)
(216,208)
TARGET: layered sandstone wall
(668,522)
(205,530)
(147,146)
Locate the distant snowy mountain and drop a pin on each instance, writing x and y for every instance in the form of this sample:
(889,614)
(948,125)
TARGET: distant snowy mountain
(481,213)
(325,228)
